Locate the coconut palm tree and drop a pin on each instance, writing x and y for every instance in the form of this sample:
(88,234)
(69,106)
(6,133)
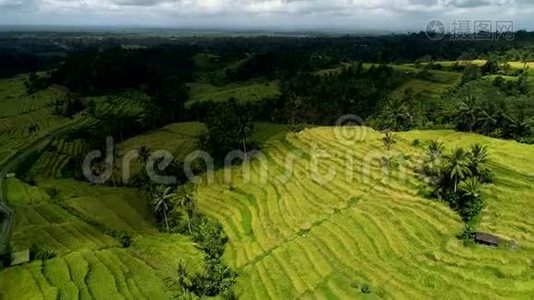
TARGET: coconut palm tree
(458,167)
(245,128)
(519,124)
(389,140)
(525,58)
(470,187)
(162,201)
(435,150)
(469,110)
(144,154)
(477,156)
(182,276)
(188,203)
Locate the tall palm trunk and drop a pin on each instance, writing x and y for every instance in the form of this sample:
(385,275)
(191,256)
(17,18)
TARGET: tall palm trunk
(189,223)
(245,147)
(166,222)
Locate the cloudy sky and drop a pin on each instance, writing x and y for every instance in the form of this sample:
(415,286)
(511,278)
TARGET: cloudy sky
(391,15)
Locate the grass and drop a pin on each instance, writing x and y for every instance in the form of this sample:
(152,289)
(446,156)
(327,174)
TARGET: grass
(89,263)
(251,91)
(56,157)
(26,118)
(423,89)
(102,274)
(120,209)
(39,221)
(301,238)
(180,139)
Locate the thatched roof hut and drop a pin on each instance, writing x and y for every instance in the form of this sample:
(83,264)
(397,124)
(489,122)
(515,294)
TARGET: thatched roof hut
(487,239)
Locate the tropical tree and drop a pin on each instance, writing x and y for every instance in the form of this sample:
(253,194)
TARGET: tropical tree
(245,128)
(389,140)
(469,110)
(477,156)
(519,125)
(470,187)
(525,57)
(471,204)
(182,278)
(188,203)
(458,167)
(435,150)
(162,201)
(294,102)
(144,154)
(432,164)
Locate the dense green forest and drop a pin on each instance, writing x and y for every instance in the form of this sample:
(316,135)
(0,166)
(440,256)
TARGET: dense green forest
(492,98)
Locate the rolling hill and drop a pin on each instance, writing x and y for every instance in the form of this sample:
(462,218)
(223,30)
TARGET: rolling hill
(89,262)
(295,236)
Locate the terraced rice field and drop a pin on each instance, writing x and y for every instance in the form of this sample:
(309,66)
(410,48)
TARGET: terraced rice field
(25,118)
(241,92)
(129,103)
(301,237)
(431,89)
(89,263)
(51,163)
(41,222)
(102,274)
(118,208)
(180,139)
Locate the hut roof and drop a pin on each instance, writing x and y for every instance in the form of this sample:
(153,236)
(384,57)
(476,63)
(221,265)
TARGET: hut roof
(486,238)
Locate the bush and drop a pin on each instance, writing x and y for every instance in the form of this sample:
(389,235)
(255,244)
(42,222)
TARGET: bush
(217,279)
(467,234)
(366,289)
(125,240)
(52,192)
(470,207)
(210,238)
(38,253)
(486,176)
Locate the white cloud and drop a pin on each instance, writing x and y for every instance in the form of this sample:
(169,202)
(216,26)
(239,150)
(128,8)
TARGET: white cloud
(378,14)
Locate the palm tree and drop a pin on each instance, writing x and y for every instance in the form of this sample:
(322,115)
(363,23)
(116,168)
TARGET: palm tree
(245,128)
(144,154)
(389,140)
(187,202)
(469,110)
(435,150)
(182,276)
(525,58)
(470,187)
(161,201)
(295,103)
(477,156)
(458,166)
(117,168)
(519,124)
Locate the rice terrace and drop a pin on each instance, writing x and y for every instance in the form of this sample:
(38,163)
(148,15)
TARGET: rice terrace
(226,155)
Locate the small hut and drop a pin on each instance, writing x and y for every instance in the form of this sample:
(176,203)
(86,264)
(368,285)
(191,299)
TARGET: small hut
(487,239)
